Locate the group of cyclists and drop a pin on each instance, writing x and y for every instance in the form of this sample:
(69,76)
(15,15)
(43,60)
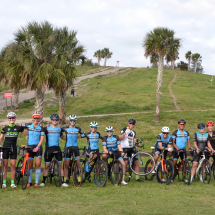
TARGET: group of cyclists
(121,146)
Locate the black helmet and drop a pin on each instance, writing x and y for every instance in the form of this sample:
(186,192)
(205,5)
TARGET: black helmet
(181,121)
(200,125)
(132,121)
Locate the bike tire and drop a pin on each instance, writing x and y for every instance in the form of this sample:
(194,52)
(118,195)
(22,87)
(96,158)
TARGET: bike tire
(83,162)
(186,172)
(100,173)
(50,174)
(69,172)
(206,171)
(57,173)
(25,175)
(116,173)
(142,162)
(1,171)
(76,172)
(213,170)
(18,171)
(165,176)
(148,168)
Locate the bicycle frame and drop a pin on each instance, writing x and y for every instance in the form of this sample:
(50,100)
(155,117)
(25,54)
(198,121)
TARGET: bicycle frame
(200,163)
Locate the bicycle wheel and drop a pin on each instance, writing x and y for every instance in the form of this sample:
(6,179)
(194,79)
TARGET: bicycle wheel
(142,159)
(213,170)
(148,168)
(186,172)
(25,175)
(100,173)
(57,173)
(206,171)
(83,162)
(1,171)
(18,170)
(165,176)
(116,173)
(76,173)
(50,174)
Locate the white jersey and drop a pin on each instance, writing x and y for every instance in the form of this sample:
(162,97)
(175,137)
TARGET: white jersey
(128,140)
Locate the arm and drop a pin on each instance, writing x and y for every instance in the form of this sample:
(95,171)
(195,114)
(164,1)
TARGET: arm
(25,132)
(174,144)
(122,136)
(63,137)
(41,141)
(209,146)
(105,149)
(1,137)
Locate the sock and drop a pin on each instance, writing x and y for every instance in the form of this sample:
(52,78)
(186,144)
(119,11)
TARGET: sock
(191,177)
(12,181)
(4,181)
(30,176)
(62,179)
(37,177)
(44,179)
(137,177)
(123,177)
(200,177)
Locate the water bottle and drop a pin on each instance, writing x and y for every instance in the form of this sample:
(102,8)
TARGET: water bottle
(157,164)
(21,167)
(91,163)
(212,162)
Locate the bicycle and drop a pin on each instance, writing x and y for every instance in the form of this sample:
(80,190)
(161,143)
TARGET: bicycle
(186,169)
(55,171)
(22,167)
(2,164)
(100,170)
(149,166)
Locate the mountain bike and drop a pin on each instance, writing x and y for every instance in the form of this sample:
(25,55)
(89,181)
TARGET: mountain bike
(2,164)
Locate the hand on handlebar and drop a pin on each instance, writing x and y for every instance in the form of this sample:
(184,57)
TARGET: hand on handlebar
(36,149)
(23,146)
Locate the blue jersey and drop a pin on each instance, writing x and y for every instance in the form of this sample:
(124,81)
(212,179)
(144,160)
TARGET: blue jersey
(164,142)
(180,139)
(34,134)
(93,140)
(111,143)
(52,136)
(72,135)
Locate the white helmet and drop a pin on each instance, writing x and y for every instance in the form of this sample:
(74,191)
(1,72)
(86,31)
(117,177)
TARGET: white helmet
(109,128)
(165,129)
(73,118)
(11,114)
(94,124)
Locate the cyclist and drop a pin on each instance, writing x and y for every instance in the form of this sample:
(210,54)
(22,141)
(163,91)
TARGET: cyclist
(201,141)
(53,133)
(180,138)
(10,132)
(71,144)
(211,132)
(164,141)
(128,139)
(35,140)
(111,144)
(93,143)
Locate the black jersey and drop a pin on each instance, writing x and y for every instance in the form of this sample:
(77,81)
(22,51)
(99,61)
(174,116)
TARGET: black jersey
(201,140)
(11,133)
(212,140)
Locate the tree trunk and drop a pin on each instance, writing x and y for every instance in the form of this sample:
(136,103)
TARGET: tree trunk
(159,84)
(99,61)
(188,64)
(105,61)
(62,111)
(39,104)
(16,99)
(173,64)
(195,65)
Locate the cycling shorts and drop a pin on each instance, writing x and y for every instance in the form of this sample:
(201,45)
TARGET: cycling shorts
(10,153)
(37,154)
(89,152)
(129,152)
(117,155)
(176,155)
(49,154)
(68,152)
(197,156)
(157,150)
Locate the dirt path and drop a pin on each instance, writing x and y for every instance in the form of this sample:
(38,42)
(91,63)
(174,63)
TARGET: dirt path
(171,93)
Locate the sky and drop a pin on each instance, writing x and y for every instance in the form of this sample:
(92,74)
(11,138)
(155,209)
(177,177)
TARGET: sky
(119,25)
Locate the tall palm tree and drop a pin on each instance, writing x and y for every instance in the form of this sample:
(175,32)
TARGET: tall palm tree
(158,42)
(97,54)
(154,60)
(106,54)
(188,56)
(196,58)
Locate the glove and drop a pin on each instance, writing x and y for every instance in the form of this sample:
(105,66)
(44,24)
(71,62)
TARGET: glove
(35,149)
(127,131)
(170,149)
(23,146)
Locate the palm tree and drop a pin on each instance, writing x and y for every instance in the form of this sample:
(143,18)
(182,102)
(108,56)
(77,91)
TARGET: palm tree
(106,54)
(97,54)
(196,58)
(188,56)
(154,60)
(158,42)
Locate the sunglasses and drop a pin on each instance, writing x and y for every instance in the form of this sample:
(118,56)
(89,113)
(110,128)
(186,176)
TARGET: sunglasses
(93,127)
(132,123)
(201,128)
(36,118)
(165,133)
(181,124)
(72,120)
(109,131)
(55,120)
(12,118)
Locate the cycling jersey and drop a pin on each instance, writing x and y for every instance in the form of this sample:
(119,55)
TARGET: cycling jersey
(111,143)
(180,139)
(11,133)
(93,140)
(72,135)
(201,140)
(212,140)
(52,136)
(164,142)
(128,140)
(34,133)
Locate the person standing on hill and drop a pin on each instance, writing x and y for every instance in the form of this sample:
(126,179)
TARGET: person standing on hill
(211,132)
(72,91)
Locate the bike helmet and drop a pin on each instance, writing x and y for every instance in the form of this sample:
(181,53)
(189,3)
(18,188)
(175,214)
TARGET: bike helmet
(209,123)
(36,114)
(181,121)
(94,124)
(109,128)
(73,118)
(165,129)
(132,121)
(54,116)
(201,125)
(11,114)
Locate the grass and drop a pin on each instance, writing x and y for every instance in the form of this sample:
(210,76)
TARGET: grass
(87,70)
